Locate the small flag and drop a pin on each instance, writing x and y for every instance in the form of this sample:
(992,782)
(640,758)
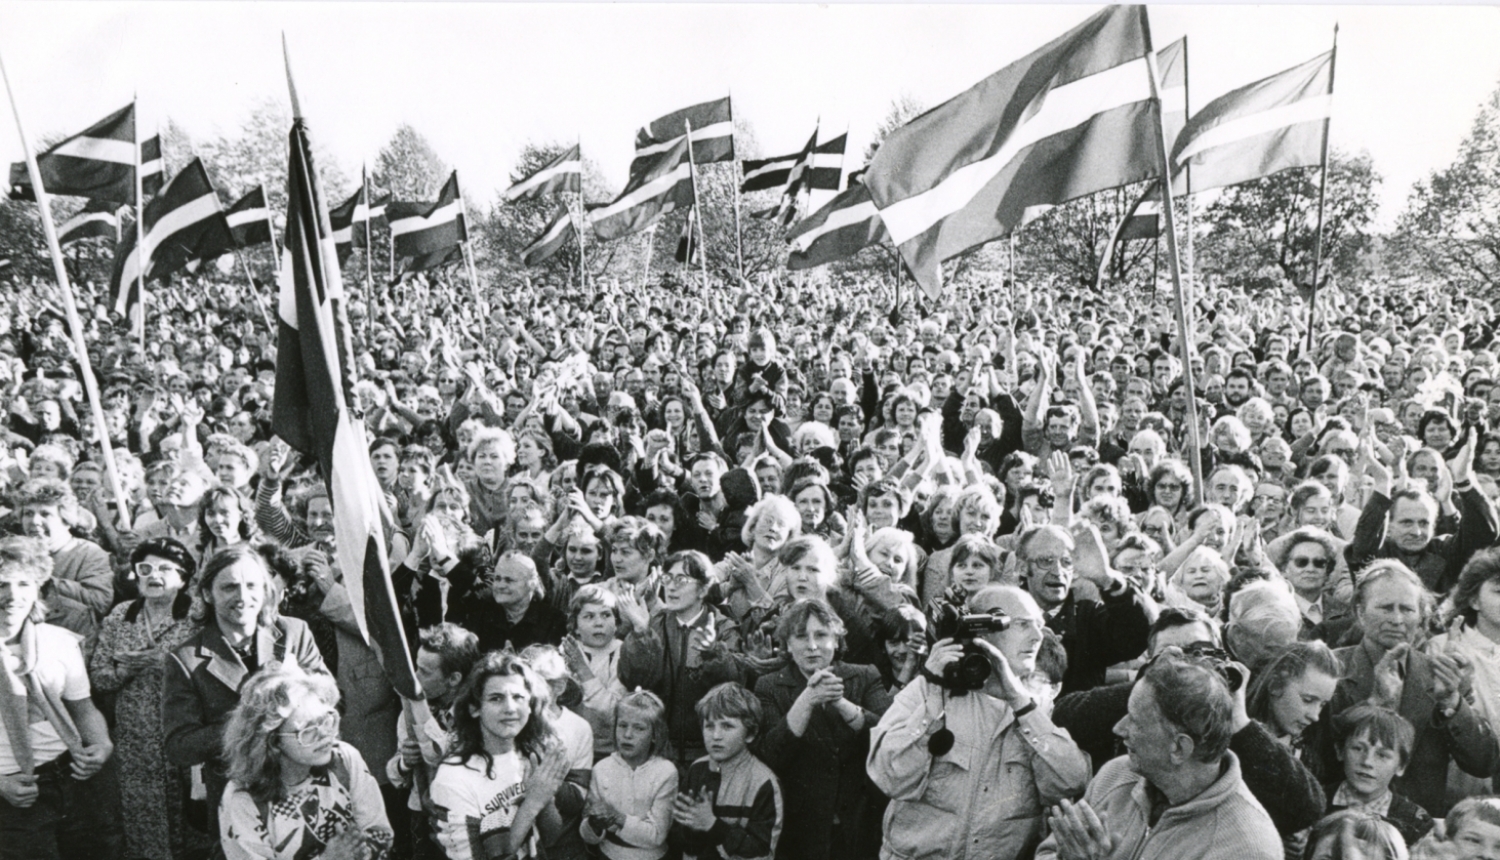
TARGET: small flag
(348,223)
(1075,117)
(563,173)
(687,243)
(96,220)
(250,220)
(663,184)
(153,174)
(713,134)
(557,234)
(763,174)
(840,229)
(1143,221)
(421,230)
(828,164)
(1259,129)
(180,224)
(98,163)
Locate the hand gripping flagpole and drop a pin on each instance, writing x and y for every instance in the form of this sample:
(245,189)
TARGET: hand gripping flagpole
(70,309)
(1312,305)
(1184,335)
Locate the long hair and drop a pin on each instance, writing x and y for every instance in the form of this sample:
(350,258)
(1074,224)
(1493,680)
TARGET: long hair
(268,699)
(535,738)
(1293,662)
(214,494)
(202,611)
(1482,567)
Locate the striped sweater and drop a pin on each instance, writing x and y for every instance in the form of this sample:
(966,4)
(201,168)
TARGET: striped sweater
(747,801)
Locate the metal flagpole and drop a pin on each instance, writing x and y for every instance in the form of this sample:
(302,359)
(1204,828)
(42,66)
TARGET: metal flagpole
(1195,455)
(693,173)
(70,309)
(484,322)
(139,321)
(739,251)
(1312,305)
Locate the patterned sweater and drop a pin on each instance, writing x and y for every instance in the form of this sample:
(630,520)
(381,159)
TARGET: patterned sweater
(747,801)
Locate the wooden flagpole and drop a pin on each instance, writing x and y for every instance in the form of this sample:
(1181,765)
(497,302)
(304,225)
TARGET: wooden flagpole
(254,293)
(1312,305)
(1191,272)
(484,314)
(739,250)
(581,223)
(70,309)
(693,173)
(1184,334)
(138,322)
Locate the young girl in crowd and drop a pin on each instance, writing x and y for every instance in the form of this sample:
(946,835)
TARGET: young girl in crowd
(629,810)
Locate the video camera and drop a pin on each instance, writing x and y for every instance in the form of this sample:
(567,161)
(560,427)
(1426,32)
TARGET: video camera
(951,621)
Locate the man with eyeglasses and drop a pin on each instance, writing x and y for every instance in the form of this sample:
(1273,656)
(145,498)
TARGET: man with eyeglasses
(1101,616)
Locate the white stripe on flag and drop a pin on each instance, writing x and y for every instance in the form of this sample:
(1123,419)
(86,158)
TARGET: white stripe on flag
(83,218)
(655,188)
(1172,101)
(98,149)
(361,213)
(708,132)
(1063,108)
(827,159)
(286,294)
(543,176)
(245,216)
(183,216)
(770,167)
(445,215)
(343,235)
(1242,128)
(377,211)
(551,235)
(1149,208)
(836,221)
(150,168)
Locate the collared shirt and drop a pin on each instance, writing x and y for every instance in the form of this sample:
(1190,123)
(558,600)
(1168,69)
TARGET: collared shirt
(1344,798)
(1312,610)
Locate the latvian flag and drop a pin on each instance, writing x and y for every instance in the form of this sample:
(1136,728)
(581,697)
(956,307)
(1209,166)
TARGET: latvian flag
(250,220)
(153,174)
(563,173)
(828,164)
(848,223)
(713,135)
(96,220)
(1073,118)
(664,184)
(1271,125)
(1143,221)
(182,224)
(348,223)
(97,163)
(781,171)
(314,381)
(429,235)
(559,231)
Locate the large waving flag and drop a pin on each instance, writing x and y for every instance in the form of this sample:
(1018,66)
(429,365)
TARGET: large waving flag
(96,220)
(426,234)
(828,164)
(98,163)
(1271,125)
(713,134)
(840,229)
(1073,118)
(311,411)
(183,223)
(664,184)
(781,171)
(556,235)
(562,174)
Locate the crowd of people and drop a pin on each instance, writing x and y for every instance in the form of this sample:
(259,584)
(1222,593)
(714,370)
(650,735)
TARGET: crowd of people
(787,570)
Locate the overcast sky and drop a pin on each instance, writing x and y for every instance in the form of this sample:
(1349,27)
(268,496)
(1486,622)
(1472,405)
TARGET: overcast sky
(480,80)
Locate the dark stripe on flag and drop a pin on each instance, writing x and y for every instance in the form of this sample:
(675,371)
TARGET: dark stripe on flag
(687,243)
(839,230)
(664,185)
(250,220)
(828,164)
(713,134)
(96,220)
(433,228)
(435,260)
(762,174)
(556,235)
(181,224)
(153,173)
(98,163)
(562,174)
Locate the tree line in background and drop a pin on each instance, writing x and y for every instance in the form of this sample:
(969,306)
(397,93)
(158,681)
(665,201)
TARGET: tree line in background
(1258,235)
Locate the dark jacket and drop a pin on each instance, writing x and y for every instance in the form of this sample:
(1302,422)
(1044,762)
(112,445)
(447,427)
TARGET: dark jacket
(658,661)
(542,624)
(1100,632)
(831,806)
(1439,564)
(1404,815)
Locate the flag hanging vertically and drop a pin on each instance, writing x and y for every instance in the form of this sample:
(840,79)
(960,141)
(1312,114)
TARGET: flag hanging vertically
(153,173)
(562,174)
(713,134)
(98,163)
(840,229)
(1075,117)
(828,164)
(556,235)
(687,243)
(96,220)
(1259,129)
(664,184)
(312,411)
(181,224)
(429,234)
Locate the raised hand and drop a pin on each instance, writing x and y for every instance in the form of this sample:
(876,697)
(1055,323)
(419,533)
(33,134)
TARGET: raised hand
(548,772)
(1390,677)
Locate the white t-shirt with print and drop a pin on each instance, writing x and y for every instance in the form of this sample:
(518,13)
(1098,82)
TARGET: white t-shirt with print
(473,807)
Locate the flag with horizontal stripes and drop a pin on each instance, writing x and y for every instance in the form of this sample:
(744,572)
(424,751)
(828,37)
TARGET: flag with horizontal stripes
(1075,117)
(1259,129)
(153,173)
(181,224)
(663,184)
(1171,70)
(1143,220)
(687,242)
(782,171)
(713,134)
(558,233)
(250,220)
(828,164)
(562,174)
(312,412)
(423,229)
(98,219)
(347,221)
(840,229)
(98,163)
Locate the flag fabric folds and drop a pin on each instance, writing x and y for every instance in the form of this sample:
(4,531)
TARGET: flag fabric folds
(558,233)
(1075,117)
(828,164)
(763,174)
(713,135)
(96,220)
(153,173)
(1171,70)
(562,174)
(840,229)
(311,412)
(181,224)
(422,230)
(687,243)
(663,184)
(97,163)
(1259,129)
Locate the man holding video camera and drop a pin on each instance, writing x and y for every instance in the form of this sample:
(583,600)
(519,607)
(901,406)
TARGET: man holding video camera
(971,763)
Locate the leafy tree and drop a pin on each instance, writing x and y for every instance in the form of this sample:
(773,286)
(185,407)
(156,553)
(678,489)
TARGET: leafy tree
(1067,243)
(1451,226)
(409,167)
(1262,233)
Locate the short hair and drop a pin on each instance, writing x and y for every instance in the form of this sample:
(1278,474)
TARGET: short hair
(732,701)
(975,546)
(1482,567)
(640,533)
(1381,725)
(28,555)
(56,455)
(1365,828)
(1389,568)
(1263,608)
(981,497)
(1305,534)
(457,649)
(772,504)
(268,698)
(522,562)
(1194,698)
(1029,537)
(484,437)
(592,594)
(801,546)
(1172,617)
(1481,809)
(49,492)
(599,472)
(1289,664)
(795,618)
(1113,510)
(419,456)
(693,563)
(885,487)
(170,549)
(651,706)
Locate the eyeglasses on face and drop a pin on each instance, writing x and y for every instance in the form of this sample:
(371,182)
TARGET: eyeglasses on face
(1320,562)
(148,568)
(1169,486)
(317,729)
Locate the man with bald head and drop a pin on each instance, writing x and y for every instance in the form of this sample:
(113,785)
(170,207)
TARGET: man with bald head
(970,774)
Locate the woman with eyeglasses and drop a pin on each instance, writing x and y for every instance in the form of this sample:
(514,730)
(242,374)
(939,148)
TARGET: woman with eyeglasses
(295,790)
(1170,486)
(128,662)
(1311,560)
